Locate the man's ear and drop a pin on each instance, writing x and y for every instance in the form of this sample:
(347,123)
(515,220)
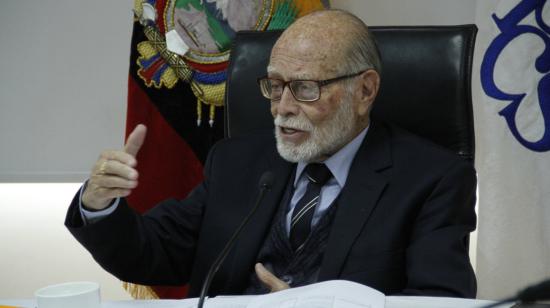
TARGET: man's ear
(369,85)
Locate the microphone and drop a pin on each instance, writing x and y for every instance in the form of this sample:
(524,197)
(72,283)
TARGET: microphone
(540,291)
(266,181)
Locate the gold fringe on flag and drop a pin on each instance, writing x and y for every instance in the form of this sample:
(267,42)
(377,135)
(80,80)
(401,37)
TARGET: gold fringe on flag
(138,291)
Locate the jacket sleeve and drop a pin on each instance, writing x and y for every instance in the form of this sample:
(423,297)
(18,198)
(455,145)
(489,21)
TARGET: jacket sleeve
(437,259)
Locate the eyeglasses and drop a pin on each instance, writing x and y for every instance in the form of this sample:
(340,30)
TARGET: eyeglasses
(302,90)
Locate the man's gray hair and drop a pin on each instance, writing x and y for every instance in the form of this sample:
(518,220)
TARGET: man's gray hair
(362,52)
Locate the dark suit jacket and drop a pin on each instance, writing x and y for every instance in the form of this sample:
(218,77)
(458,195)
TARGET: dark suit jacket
(401,227)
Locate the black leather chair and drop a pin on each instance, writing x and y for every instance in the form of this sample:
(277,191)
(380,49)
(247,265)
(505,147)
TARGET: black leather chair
(426,83)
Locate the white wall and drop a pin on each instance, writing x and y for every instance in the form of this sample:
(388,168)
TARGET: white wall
(63,74)
(36,248)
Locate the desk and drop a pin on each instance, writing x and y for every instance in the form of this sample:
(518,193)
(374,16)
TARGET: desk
(391,302)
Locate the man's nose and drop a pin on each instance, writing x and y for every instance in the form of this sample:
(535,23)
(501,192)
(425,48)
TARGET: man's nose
(288,105)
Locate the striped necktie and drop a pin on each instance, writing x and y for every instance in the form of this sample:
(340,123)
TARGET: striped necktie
(300,224)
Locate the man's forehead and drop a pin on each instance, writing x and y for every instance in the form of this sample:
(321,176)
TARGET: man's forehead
(277,73)
(315,45)
(304,44)
(296,57)
(299,46)
(291,67)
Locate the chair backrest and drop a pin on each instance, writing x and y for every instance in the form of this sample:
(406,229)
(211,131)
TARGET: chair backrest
(425,88)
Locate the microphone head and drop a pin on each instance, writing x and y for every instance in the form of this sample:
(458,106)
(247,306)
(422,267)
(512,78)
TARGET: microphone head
(266,180)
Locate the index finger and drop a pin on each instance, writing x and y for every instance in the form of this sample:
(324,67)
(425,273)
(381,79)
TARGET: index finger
(119,156)
(135,140)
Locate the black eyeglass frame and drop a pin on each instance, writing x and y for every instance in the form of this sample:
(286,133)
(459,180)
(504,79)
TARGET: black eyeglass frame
(320,84)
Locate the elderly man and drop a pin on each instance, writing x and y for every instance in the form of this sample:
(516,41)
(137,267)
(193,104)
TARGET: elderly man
(352,198)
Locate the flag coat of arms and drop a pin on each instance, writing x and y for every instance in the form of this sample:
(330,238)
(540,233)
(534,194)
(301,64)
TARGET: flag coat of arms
(512,118)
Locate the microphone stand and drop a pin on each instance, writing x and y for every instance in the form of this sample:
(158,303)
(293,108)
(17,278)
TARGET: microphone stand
(265,184)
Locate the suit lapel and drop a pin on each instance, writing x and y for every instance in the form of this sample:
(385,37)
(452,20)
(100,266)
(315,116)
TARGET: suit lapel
(364,185)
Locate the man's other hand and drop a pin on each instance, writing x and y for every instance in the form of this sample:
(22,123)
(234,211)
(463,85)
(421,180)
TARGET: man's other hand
(269,280)
(114,174)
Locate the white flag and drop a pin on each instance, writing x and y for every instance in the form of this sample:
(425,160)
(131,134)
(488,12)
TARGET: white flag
(511,85)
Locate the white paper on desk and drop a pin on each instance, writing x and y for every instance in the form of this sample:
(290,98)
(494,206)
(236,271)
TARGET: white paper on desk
(327,294)
(218,302)
(214,302)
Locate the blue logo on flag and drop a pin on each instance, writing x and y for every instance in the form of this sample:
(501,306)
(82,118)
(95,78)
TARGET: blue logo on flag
(509,30)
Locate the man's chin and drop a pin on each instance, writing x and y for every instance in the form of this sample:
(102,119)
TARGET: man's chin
(296,153)
(286,143)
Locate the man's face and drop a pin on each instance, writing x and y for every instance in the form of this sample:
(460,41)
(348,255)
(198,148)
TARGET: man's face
(310,131)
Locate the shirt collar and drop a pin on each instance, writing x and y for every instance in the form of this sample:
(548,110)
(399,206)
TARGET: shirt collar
(340,162)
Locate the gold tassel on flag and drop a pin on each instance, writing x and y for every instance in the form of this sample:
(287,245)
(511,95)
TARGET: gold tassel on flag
(139,291)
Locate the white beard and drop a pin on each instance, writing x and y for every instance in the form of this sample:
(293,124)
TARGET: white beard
(324,139)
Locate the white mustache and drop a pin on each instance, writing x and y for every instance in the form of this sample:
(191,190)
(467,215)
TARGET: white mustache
(295,122)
